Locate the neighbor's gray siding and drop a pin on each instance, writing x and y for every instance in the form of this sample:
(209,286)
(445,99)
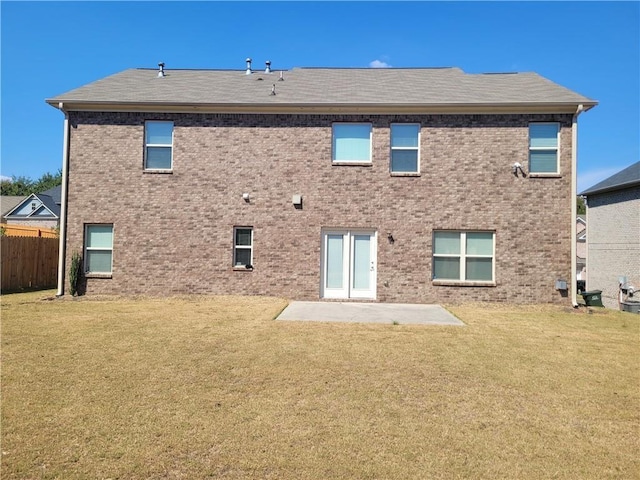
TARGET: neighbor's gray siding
(613,240)
(173,232)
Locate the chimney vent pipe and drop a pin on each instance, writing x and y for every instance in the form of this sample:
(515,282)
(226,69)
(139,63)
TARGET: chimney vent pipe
(248,66)
(161,69)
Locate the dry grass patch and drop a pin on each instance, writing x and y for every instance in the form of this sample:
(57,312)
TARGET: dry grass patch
(212,387)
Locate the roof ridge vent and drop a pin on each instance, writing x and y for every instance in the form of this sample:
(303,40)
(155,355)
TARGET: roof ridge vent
(248,60)
(161,69)
(267,66)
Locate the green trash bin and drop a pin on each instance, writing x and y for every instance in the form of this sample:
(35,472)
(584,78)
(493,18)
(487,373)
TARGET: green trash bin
(593,298)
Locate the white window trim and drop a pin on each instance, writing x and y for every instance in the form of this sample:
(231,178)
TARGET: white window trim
(400,174)
(351,162)
(242,247)
(96,249)
(533,149)
(147,145)
(463,256)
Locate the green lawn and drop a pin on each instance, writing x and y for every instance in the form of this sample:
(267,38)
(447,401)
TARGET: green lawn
(212,387)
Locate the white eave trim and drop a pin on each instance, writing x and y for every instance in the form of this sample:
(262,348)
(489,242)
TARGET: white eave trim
(507,108)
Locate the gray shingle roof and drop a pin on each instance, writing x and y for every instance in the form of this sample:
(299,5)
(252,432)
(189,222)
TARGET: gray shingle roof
(324,87)
(55,193)
(627,178)
(50,203)
(9,202)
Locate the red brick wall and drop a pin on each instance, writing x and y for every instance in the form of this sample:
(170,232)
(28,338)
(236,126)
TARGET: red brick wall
(173,233)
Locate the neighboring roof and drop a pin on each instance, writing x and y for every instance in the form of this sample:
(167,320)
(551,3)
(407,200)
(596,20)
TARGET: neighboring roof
(627,178)
(321,87)
(55,193)
(46,200)
(9,202)
(50,203)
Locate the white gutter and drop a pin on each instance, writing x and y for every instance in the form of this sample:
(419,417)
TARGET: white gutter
(63,198)
(574,207)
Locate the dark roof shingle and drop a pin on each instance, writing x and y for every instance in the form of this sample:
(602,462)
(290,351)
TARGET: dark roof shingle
(627,178)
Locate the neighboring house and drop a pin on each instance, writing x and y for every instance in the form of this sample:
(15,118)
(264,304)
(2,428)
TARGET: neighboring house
(613,233)
(36,210)
(396,185)
(581,248)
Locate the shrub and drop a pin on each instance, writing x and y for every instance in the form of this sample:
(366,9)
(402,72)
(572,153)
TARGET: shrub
(74,273)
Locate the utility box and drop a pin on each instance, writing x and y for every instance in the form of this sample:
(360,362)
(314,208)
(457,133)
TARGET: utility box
(631,306)
(593,298)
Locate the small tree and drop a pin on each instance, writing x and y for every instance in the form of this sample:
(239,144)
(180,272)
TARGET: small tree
(581,207)
(74,273)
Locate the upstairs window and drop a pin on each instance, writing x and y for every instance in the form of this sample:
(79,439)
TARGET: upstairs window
(463,256)
(543,148)
(243,247)
(405,148)
(158,145)
(98,253)
(351,142)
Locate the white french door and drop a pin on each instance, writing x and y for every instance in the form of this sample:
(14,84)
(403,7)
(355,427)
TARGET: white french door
(348,264)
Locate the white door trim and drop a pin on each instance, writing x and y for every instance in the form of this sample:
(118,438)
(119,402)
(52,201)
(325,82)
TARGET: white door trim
(347,289)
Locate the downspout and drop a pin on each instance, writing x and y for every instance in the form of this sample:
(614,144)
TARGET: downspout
(63,198)
(574,207)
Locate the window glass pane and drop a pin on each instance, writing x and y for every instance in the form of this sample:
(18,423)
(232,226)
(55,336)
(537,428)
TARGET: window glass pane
(543,135)
(100,236)
(243,256)
(159,133)
(98,261)
(447,243)
(159,157)
(479,243)
(352,142)
(404,160)
(243,236)
(361,261)
(447,268)
(404,135)
(479,269)
(335,258)
(543,161)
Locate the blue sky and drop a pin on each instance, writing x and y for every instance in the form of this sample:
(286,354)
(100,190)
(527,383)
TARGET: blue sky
(49,48)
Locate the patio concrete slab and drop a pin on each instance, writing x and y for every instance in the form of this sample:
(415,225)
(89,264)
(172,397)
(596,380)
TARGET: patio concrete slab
(399,313)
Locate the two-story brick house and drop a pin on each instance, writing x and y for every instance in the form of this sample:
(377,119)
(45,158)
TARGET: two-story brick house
(613,234)
(395,185)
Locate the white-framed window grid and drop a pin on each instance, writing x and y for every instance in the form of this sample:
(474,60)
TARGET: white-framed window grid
(463,255)
(158,145)
(98,250)
(405,148)
(544,148)
(243,247)
(351,142)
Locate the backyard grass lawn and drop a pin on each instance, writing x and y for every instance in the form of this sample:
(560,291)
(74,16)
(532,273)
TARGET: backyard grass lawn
(213,387)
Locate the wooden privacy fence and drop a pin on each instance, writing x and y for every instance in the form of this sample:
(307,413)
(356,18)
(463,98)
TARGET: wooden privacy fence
(28,262)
